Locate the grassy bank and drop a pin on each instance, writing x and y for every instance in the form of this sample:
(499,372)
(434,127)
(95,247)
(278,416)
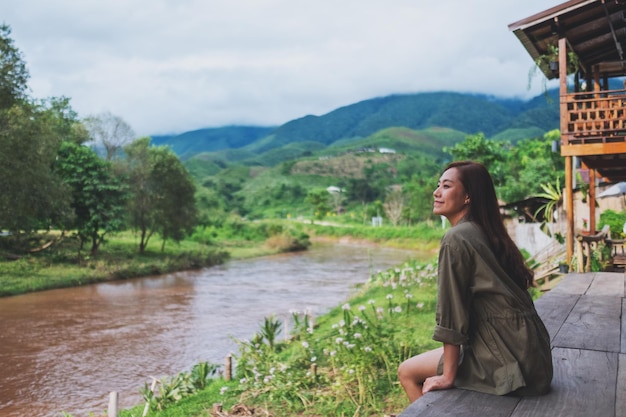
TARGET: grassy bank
(423,236)
(341,364)
(64,264)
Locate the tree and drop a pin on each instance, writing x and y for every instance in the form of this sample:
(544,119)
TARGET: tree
(337,199)
(163,193)
(142,217)
(175,205)
(529,164)
(318,200)
(13,72)
(98,197)
(478,148)
(32,197)
(394,205)
(110,132)
(419,196)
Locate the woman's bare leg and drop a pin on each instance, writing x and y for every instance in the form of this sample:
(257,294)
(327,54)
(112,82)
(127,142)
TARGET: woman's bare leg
(413,372)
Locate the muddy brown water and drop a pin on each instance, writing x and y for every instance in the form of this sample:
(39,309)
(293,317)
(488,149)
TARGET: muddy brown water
(66,350)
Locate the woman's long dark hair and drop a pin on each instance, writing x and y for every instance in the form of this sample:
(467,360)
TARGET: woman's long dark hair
(485,212)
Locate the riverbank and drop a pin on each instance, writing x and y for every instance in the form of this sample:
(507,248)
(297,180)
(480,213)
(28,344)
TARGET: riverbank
(343,362)
(64,265)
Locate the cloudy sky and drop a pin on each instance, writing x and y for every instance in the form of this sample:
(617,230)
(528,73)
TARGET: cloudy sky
(169,66)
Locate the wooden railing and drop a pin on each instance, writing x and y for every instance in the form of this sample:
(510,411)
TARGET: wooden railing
(588,246)
(595,117)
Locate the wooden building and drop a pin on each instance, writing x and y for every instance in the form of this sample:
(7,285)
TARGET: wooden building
(585,39)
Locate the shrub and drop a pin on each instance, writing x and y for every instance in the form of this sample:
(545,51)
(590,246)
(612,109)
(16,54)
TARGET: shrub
(616,221)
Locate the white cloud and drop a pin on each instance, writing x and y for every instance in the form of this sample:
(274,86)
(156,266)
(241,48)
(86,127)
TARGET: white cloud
(171,66)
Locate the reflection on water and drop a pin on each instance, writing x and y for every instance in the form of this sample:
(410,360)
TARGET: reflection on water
(65,350)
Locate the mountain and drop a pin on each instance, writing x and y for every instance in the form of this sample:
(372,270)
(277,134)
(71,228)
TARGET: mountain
(212,139)
(463,113)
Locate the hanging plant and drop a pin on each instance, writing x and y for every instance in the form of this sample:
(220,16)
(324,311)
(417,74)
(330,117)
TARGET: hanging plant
(549,63)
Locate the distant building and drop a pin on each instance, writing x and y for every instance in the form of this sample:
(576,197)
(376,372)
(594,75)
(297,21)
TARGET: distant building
(386,150)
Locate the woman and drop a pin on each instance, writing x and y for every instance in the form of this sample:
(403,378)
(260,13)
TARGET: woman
(493,339)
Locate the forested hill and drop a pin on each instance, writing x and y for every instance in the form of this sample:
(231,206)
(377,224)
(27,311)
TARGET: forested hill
(469,113)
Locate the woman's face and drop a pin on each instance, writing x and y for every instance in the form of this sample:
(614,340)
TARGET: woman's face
(451,199)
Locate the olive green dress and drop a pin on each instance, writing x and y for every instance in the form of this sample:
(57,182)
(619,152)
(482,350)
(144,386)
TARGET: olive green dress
(505,345)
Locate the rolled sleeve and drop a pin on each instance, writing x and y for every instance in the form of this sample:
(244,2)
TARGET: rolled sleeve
(453,294)
(449,336)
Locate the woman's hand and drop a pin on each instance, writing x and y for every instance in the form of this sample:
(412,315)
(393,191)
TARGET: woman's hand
(438,382)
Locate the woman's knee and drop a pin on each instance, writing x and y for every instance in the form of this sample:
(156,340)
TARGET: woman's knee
(420,367)
(404,370)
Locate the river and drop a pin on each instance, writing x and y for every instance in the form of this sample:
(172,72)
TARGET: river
(67,349)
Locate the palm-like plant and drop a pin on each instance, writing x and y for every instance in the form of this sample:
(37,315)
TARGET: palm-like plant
(549,210)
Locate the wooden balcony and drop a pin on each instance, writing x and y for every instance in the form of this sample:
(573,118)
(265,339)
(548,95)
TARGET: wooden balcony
(593,127)
(594,118)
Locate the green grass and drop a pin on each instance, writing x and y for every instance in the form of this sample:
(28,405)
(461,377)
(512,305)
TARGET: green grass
(422,236)
(64,265)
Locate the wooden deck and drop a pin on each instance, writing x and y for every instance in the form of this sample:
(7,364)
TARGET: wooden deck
(583,315)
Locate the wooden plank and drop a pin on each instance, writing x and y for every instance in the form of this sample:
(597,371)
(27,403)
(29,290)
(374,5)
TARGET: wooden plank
(583,386)
(593,324)
(623,350)
(607,283)
(574,283)
(553,308)
(620,398)
(458,402)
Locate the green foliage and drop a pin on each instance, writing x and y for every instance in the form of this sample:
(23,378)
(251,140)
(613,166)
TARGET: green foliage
(270,329)
(163,193)
(63,266)
(615,220)
(547,212)
(478,148)
(276,236)
(319,201)
(171,390)
(13,72)
(528,164)
(548,62)
(98,197)
(33,197)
